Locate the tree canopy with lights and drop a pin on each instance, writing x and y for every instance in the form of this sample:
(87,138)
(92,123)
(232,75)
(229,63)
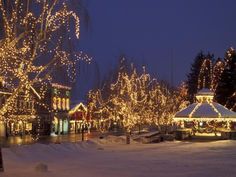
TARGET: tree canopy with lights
(32,45)
(135,99)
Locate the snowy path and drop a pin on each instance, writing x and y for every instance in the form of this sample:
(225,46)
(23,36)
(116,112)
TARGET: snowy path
(106,159)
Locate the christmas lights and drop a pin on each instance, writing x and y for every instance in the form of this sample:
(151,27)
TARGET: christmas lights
(32,48)
(135,100)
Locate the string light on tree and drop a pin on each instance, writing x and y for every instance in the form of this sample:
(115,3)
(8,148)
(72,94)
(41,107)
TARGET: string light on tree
(32,49)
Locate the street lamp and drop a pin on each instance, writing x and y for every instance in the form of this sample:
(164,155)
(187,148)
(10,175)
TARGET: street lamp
(1,161)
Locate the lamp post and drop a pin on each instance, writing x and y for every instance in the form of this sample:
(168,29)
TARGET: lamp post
(82,133)
(1,161)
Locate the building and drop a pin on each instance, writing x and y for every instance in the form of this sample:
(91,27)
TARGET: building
(53,114)
(21,119)
(34,114)
(79,118)
(206,116)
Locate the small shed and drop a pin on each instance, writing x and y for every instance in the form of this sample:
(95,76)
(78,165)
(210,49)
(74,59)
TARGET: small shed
(79,119)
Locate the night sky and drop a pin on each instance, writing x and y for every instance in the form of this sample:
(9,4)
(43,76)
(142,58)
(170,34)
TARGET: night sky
(151,33)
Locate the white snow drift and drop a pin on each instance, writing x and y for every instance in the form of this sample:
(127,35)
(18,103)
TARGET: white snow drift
(111,157)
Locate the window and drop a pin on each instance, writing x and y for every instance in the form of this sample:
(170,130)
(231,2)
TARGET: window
(59,103)
(63,103)
(54,104)
(67,104)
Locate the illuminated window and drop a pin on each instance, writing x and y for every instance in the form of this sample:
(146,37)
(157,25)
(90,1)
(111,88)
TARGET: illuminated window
(28,126)
(63,103)
(59,103)
(67,104)
(54,104)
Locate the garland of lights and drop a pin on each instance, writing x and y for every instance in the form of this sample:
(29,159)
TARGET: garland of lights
(135,99)
(31,50)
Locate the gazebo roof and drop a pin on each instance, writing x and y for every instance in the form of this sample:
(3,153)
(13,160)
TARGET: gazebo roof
(205,109)
(205,91)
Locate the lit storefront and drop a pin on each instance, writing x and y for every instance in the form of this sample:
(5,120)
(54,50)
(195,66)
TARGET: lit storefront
(79,119)
(60,96)
(21,119)
(21,127)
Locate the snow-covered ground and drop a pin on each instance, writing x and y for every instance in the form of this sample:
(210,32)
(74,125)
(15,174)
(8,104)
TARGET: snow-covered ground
(110,157)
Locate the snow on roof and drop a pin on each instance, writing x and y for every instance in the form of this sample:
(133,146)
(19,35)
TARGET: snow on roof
(186,111)
(60,86)
(205,91)
(77,107)
(224,111)
(206,110)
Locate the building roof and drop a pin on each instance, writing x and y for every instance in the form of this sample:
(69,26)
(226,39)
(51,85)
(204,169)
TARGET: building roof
(60,86)
(78,108)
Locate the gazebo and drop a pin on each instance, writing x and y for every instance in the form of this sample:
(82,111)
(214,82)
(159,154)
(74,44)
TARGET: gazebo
(206,116)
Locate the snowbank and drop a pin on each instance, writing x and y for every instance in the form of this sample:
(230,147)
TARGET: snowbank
(111,140)
(110,157)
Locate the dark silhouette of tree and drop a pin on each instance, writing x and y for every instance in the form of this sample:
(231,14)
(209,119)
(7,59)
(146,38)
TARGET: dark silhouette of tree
(218,68)
(226,88)
(200,75)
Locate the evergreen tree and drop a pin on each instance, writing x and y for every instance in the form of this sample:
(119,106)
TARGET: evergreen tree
(206,72)
(200,75)
(218,68)
(226,89)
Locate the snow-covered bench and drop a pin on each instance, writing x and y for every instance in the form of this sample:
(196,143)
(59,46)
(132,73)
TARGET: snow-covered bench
(151,137)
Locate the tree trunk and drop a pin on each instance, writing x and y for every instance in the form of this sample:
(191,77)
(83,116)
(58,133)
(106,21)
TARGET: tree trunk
(158,127)
(139,128)
(128,133)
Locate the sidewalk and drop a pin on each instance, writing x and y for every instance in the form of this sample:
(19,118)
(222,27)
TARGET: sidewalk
(28,139)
